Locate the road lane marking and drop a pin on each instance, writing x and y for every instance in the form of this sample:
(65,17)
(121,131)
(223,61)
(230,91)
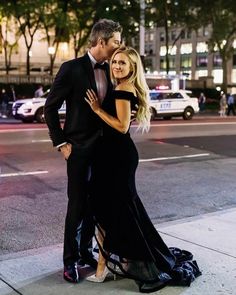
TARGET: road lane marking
(193,124)
(41,140)
(20,130)
(174,157)
(188,124)
(23,173)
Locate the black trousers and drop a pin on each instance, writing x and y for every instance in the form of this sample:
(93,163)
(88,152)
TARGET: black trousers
(230,109)
(79,226)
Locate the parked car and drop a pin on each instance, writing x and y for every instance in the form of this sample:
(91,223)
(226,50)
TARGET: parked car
(169,103)
(32,109)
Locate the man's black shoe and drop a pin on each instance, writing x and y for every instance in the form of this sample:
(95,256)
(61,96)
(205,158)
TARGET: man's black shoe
(88,260)
(71,273)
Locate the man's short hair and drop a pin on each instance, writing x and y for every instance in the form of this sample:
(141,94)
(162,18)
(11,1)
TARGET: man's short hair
(104,28)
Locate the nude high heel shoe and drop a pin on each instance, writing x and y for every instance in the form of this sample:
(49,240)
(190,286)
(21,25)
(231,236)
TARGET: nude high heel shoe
(101,278)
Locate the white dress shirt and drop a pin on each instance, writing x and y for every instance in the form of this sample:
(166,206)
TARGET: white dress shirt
(100,78)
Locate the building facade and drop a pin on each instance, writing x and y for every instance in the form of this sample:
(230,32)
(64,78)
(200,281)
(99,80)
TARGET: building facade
(188,55)
(39,56)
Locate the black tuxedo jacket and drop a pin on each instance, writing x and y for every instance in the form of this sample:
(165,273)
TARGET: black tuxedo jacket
(82,126)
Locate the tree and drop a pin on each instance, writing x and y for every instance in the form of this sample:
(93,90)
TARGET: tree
(126,12)
(169,14)
(81,20)
(83,16)
(54,22)
(28,14)
(9,34)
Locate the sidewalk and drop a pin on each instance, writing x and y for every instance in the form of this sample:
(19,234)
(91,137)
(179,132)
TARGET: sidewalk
(211,238)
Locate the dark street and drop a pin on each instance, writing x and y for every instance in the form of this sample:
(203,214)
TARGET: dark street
(186,169)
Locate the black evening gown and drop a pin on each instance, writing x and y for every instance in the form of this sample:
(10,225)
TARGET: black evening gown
(132,246)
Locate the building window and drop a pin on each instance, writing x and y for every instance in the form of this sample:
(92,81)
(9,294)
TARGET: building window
(148,64)
(151,37)
(185,61)
(173,35)
(186,48)
(162,64)
(187,74)
(234,60)
(189,34)
(199,32)
(218,76)
(171,63)
(172,50)
(201,47)
(217,61)
(205,32)
(148,49)
(233,76)
(202,61)
(201,73)
(162,36)
(182,34)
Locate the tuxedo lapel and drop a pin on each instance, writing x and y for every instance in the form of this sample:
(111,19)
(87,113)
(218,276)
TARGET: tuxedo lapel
(109,84)
(90,72)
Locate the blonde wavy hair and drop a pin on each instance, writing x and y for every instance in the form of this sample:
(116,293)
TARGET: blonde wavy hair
(137,78)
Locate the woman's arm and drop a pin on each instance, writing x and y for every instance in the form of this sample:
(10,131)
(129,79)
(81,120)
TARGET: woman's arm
(122,122)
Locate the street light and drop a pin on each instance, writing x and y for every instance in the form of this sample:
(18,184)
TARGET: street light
(51,50)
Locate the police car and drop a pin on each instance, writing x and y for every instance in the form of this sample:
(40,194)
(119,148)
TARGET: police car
(32,109)
(168,103)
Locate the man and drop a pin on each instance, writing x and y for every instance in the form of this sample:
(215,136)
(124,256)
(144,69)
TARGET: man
(4,104)
(76,140)
(230,104)
(39,92)
(202,101)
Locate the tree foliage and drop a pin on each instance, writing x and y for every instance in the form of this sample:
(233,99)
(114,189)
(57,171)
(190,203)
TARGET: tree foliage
(9,35)
(28,14)
(72,20)
(55,24)
(171,14)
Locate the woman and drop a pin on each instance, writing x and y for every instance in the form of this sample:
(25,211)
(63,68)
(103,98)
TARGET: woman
(223,105)
(129,243)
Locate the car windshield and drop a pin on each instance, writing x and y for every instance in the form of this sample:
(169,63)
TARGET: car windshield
(156,95)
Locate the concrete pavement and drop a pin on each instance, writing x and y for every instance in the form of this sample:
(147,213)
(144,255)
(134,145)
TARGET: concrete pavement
(211,238)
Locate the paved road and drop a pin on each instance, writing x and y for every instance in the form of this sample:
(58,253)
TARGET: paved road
(186,169)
